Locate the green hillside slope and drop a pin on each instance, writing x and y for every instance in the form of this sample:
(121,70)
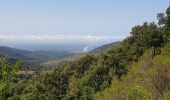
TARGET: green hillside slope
(31,56)
(65,60)
(147,79)
(136,69)
(105,47)
(75,57)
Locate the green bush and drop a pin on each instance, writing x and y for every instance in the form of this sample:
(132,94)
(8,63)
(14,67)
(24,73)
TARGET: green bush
(166,96)
(139,93)
(16,97)
(161,79)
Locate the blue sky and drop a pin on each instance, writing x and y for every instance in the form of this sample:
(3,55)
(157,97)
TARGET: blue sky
(23,21)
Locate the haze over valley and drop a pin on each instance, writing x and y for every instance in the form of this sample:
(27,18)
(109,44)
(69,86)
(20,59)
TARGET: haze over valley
(56,42)
(84,50)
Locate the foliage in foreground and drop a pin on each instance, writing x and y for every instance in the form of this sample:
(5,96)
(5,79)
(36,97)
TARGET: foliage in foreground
(147,79)
(136,69)
(7,71)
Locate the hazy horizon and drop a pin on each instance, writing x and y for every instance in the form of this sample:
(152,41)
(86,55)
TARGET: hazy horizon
(40,24)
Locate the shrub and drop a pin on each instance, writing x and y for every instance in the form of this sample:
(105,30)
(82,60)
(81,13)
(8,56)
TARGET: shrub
(16,97)
(140,93)
(166,96)
(161,79)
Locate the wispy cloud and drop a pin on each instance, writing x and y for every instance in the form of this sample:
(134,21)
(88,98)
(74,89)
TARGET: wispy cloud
(55,39)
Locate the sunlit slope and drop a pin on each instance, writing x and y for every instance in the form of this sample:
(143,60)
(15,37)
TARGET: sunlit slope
(148,78)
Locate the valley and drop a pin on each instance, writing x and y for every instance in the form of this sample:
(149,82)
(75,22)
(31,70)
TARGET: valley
(84,50)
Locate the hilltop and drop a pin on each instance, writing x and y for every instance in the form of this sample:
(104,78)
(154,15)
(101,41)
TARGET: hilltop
(31,56)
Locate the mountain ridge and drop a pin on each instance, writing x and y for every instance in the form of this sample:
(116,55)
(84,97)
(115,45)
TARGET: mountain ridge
(31,56)
(105,47)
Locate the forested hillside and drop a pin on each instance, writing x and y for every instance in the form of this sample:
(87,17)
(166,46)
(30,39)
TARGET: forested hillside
(32,56)
(105,47)
(136,69)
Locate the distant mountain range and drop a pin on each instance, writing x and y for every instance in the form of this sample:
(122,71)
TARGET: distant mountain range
(99,46)
(104,47)
(32,56)
(75,57)
(49,57)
